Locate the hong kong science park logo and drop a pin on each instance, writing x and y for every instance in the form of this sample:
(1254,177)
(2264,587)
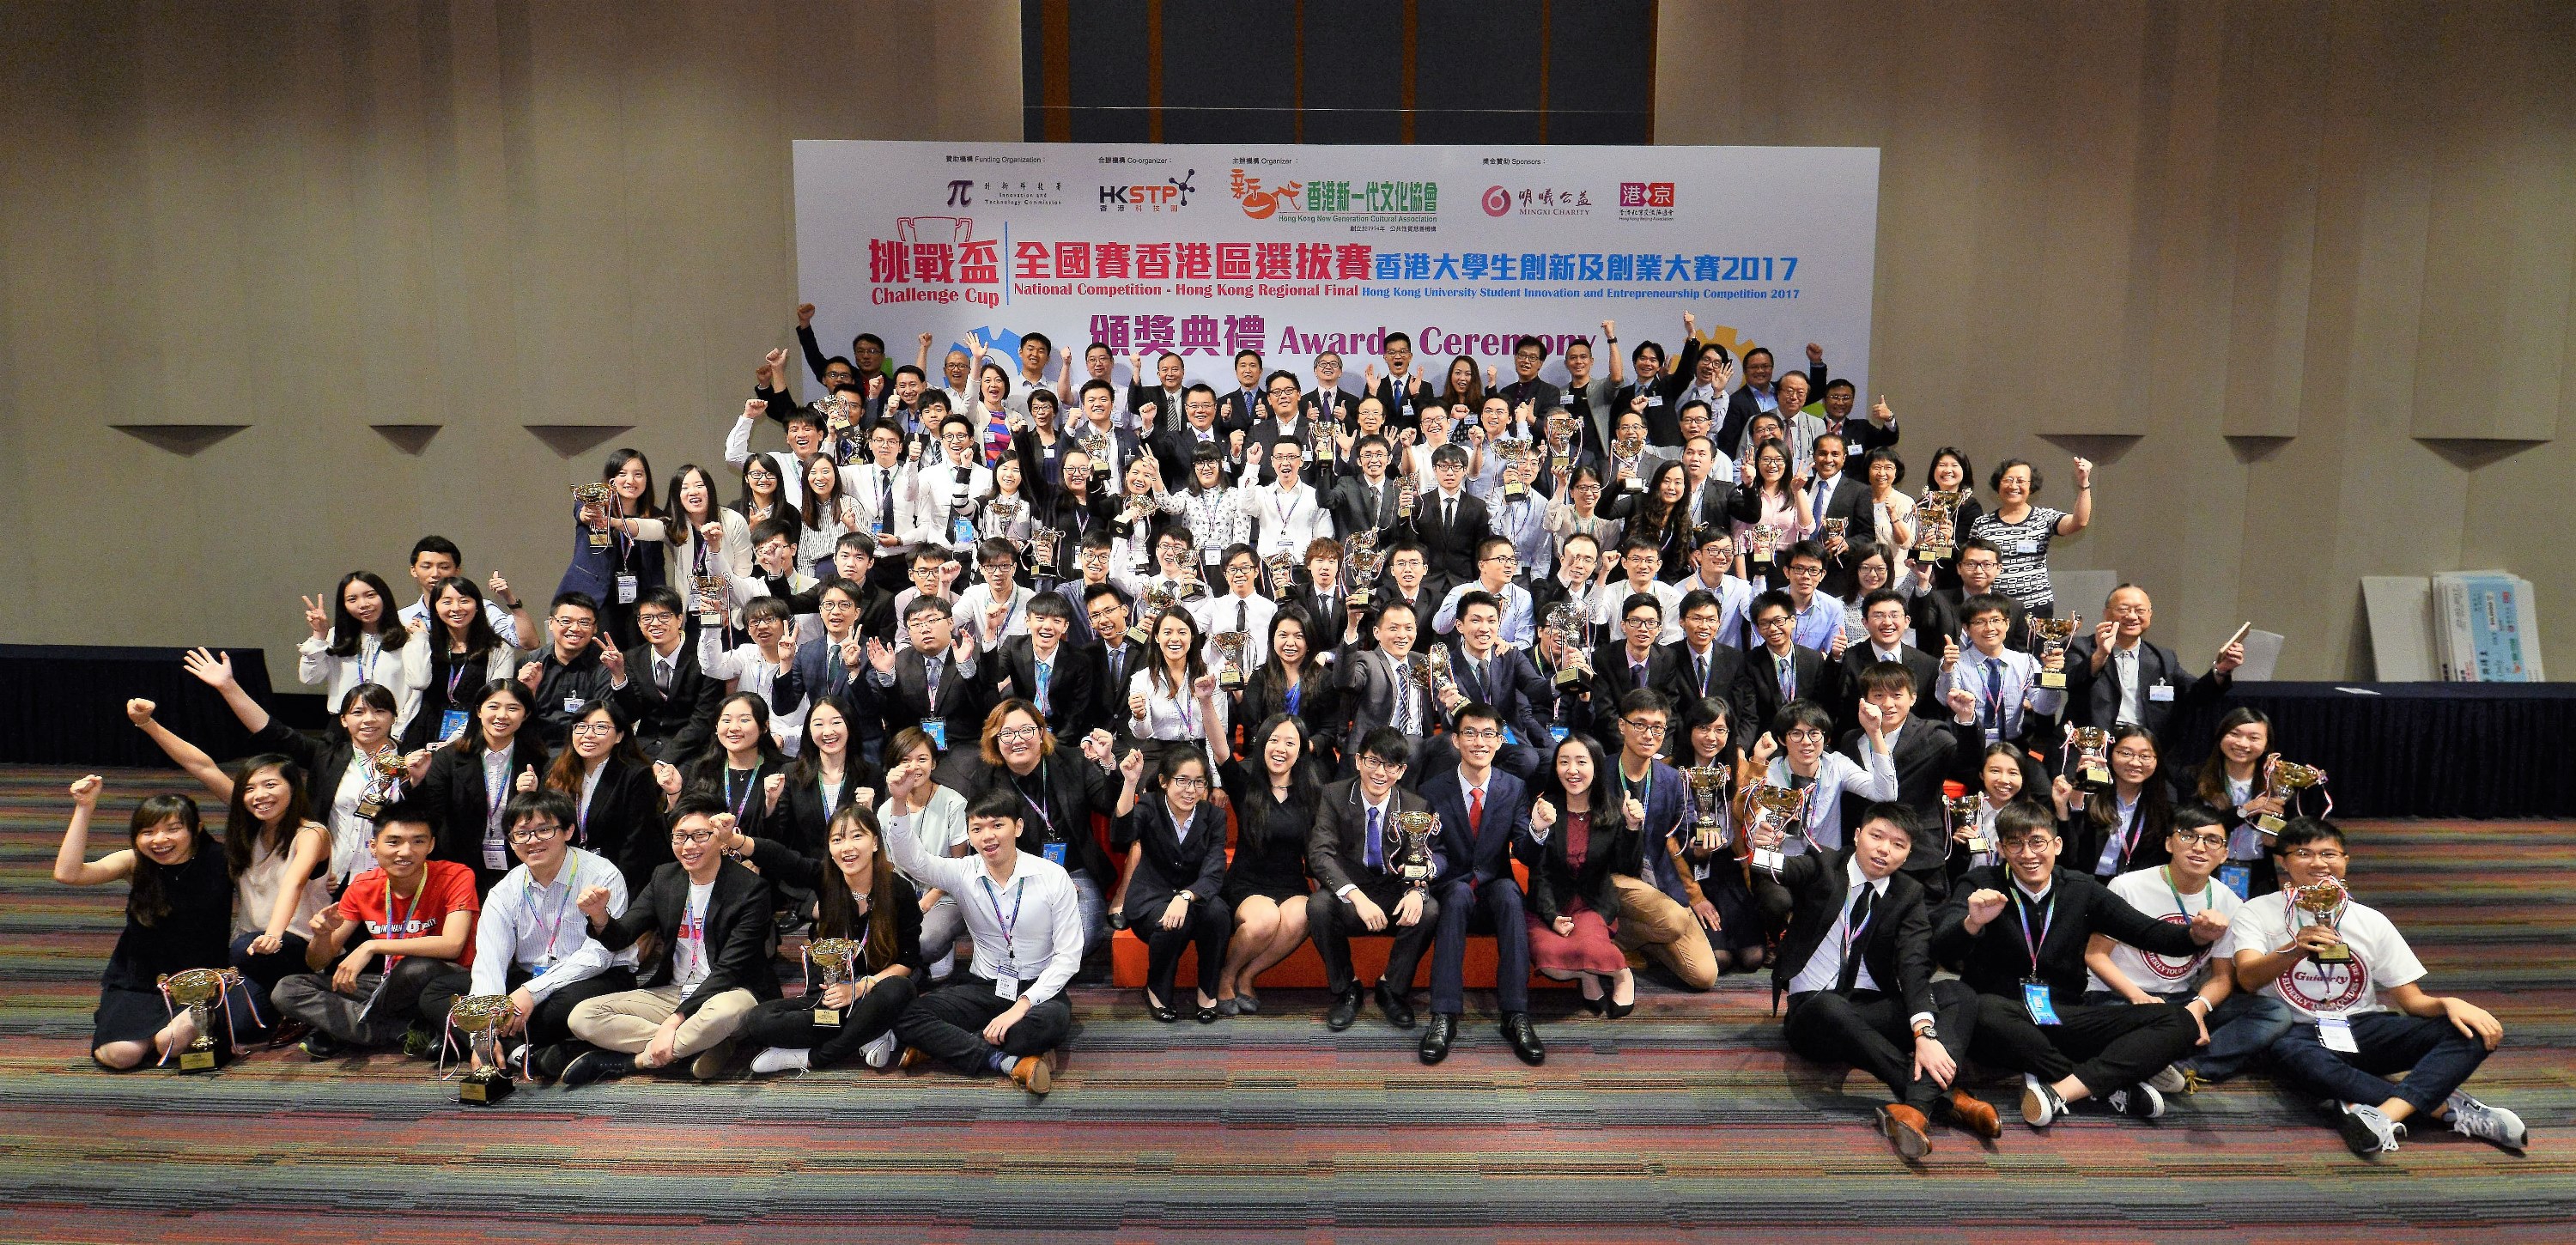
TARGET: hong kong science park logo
(1171,196)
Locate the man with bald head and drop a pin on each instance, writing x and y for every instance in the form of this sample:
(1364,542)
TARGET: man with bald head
(2117,675)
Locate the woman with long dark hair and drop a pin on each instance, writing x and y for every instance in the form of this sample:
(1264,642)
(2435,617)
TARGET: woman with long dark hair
(466,786)
(457,654)
(1292,681)
(617,813)
(740,761)
(1174,702)
(1662,514)
(2124,828)
(1276,800)
(1172,893)
(860,898)
(2232,778)
(1572,899)
(617,574)
(935,817)
(1782,507)
(696,552)
(1708,736)
(827,513)
(358,639)
(828,775)
(176,912)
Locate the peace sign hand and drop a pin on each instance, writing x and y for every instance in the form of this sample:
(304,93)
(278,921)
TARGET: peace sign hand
(316,617)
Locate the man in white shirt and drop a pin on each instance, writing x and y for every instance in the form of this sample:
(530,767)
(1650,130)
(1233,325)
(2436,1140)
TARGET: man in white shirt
(1010,1017)
(532,942)
(949,490)
(1242,609)
(1713,572)
(1496,562)
(804,440)
(1639,560)
(1284,515)
(2361,1015)
(1799,760)
(997,608)
(2005,682)
(2235,1025)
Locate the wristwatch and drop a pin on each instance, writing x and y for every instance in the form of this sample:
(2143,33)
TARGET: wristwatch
(1187,895)
(1929,1030)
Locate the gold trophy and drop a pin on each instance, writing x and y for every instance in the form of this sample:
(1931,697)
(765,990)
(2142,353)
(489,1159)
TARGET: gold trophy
(1438,676)
(1229,646)
(2286,779)
(1155,600)
(197,989)
(593,495)
(1772,808)
(1708,799)
(1095,444)
(1961,812)
(1935,524)
(1004,514)
(1413,860)
(838,959)
(2323,902)
(1043,546)
(388,767)
(480,1017)
(1364,559)
(1573,665)
(1761,542)
(1324,430)
(2048,637)
(1404,496)
(710,601)
(1514,452)
(2092,748)
(1834,528)
(1560,446)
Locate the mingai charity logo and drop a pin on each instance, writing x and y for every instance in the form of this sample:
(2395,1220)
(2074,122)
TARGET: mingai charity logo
(1537,201)
(1645,200)
(1333,200)
(1171,196)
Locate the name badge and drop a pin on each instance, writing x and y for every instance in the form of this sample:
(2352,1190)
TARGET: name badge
(495,856)
(1556,733)
(573,704)
(2238,878)
(2034,999)
(2161,692)
(1054,853)
(2336,1033)
(938,732)
(1006,987)
(626,590)
(451,724)
(962,531)
(1209,556)
(2025,546)
(1653,398)
(1511,736)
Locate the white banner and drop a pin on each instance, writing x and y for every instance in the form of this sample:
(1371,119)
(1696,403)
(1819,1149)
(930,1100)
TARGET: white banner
(1291,251)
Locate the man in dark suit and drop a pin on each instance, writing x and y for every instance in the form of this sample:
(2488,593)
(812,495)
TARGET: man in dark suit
(1701,665)
(854,563)
(1926,752)
(932,681)
(1177,449)
(1328,404)
(2018,933)
(1379,688)
(1409,580)
(1632,664)
(1501,679)
(2117,675)
(1099,422)
(1366,501)
(1480,809)
(1354,851)
(1165,396)
(1661,381)
(728,937)
(826,664)
(1856,964)
(1403,391)
(1836,494)
(1940,615)
(1240,409)
(1759,691)
(1119,658)
(1717,499)
(1883,613)
(1529,354)
(1068,696)
(672,702)
(1449,521)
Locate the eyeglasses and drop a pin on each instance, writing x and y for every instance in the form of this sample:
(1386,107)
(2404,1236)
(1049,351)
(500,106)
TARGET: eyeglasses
(654,619)
(1501,559)
(1773,623)
(573,624)
(1809,571)
(1641,620)
(1480,733)
(530,834)
(2026,847)
(594,728)
(2200,840)
(1807,732)
(1188,782)
(1648,729)
(2326,855)
(700,839)
(1378,763)
(1016,734)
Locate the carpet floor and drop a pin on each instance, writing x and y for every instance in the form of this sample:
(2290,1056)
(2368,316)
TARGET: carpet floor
(1687,1120)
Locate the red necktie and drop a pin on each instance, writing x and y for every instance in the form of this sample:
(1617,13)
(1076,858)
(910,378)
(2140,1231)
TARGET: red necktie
(1476,811)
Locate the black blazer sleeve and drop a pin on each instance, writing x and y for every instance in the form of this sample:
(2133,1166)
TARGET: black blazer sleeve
(780,864)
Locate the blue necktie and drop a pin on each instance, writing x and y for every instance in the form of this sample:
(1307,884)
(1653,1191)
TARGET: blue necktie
(1375,857)
(1043,669)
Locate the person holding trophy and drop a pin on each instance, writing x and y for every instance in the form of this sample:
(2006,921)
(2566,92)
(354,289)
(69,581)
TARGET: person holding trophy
(1373,877)
(1237,621)
(1856,965)
(2003,683)
(2359,1008)
(2115,808)
(1172,899)
(178,919)
(1662,908)
(864,963)
(2231,778)
(1481,809)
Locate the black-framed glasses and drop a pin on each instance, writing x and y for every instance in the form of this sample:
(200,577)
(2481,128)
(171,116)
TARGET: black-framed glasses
(700,839)
(1016,734)
(1648,729)
(1188,782)
(531,834)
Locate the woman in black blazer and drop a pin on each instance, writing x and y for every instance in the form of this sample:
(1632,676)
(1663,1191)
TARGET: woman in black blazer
(825,778)
(457,784)
(617,811)
(2123,829)
(1572,898)
(1292,682)
(1070,501)
(860,897)
(1172,898)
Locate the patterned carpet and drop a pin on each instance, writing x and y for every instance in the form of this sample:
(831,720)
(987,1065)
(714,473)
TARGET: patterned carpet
(1684,1121)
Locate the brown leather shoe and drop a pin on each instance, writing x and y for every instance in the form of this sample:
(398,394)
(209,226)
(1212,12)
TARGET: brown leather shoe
(1974,1114)
(1031,1074)
(912,1056)
(1904,1127)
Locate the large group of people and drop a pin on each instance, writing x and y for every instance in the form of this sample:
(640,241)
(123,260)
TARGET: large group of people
(1651,666)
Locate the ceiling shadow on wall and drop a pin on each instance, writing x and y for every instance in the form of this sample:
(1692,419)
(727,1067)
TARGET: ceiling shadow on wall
(411,439)
(2105,448)
(2250,450)
(184,440)
(567,440)
(2472,453)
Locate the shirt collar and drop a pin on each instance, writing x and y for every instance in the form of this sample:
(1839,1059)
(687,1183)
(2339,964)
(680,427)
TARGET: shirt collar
(1853,876)
(2038,896)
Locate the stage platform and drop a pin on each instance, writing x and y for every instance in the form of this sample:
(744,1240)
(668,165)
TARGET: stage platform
(1684,1121)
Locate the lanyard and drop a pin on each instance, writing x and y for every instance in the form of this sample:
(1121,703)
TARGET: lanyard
(1037,805)
(2047,918)
(1852,933)
(398,929)
(750,783)
(571,866)
(455,674)
(1010,923)
(2176,892)
(367,658)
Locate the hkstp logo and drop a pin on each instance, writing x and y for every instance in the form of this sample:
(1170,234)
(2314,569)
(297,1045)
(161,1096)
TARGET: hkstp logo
(1172,195)
(1645,194)
(1497,201)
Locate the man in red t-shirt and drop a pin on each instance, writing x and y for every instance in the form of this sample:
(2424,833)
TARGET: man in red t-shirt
(418,918)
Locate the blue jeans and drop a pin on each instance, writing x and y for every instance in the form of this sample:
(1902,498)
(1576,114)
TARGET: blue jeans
(2435,1057)
(2240,1029)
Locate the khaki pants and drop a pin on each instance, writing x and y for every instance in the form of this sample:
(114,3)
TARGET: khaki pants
(1649,919)
(626,1022)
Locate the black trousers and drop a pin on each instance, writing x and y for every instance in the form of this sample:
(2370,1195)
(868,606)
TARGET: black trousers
(1872,1032)
(948,1025)
(790,1022)
(1332,922)
(1210,924)
(2104,1047)
(550,1023)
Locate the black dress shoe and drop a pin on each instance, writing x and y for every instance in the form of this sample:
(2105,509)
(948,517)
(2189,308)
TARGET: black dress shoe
(1345,1009)
(1616,1011)
(549,1062)
(598,1065)
(1160,1011)
(1209,1015)
(1436,1038)
(1523,1036)
(1391,1001)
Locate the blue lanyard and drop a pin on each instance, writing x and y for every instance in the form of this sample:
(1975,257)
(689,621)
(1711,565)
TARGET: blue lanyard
(750,783)
(2047,918)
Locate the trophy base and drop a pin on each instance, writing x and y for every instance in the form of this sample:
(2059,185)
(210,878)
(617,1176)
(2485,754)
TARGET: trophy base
(2332,955)
(1514,492)
(367,809)
(2097,776)
(2269,824)
(1138,635)
(711,620)
(1762,559)
(1359,599)
(484,1087)
(1981,845)
(598,539)
(2053,680)
(1230,679)
(828,1017)
(1767,858)
(1569,678)
(197,1060)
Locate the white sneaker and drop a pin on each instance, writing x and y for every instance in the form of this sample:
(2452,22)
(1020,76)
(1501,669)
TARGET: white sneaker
(2472,1118)
(2369,1131)
(2169,1080)
(781,1059)
(2040,1105)
(880,1053)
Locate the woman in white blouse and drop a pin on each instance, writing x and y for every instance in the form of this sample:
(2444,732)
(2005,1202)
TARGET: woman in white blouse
(1176,701)
(827,513)
(935,817)
(708,541)
(357,639)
